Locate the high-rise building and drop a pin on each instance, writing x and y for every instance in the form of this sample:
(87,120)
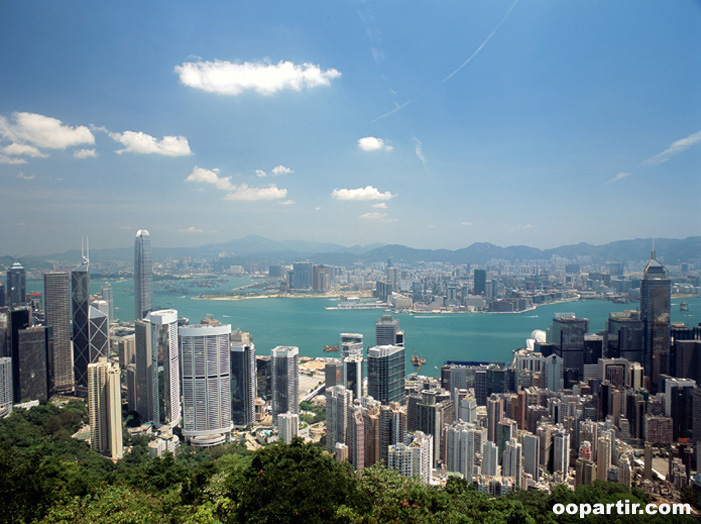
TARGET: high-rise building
(143,274)
(107,296)
(338,404)
(386,367)
(480,281)
(2,294)
(30,349)
(513,461)
(387,332)
(206,384)
(568,337)
(163,331)
(57,306)
(285,380)
(288,426)
(80,302)
(351,344)
(243,379)
(105,408)
(353,374)
(6,394)
(561,452)
(302,276)
(414,459)
(99,333)
(490,459)
(16,286)
(531,454)
(655,303)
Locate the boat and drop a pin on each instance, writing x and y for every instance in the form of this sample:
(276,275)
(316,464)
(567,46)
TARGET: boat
(417,361)
(329,349)
(684,306)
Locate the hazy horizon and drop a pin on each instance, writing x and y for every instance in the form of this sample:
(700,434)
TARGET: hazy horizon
(515,123)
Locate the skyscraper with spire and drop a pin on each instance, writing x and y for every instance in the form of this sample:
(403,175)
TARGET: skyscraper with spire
(143,275)
(655,304)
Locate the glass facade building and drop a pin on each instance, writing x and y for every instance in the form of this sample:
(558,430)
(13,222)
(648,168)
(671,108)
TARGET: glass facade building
(143,275)
(386,369)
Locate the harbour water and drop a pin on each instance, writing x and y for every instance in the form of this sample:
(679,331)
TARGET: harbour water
(304,322)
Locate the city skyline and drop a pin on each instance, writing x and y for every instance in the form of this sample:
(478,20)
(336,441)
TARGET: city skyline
(357,123)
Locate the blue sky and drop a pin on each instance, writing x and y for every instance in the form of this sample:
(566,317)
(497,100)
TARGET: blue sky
(433,125)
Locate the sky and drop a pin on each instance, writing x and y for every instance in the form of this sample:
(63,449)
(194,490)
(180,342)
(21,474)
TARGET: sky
(429,124)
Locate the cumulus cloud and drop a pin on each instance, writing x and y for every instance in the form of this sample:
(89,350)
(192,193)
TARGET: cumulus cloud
(361,193)
(9,160)
(85,153)
(677,147)
(191,229)
(371,143)
(23,150)
(282,170)
(244,192)
(380,205)
(287,203)
(233,191)
(44,131)
(619,176)
(261,173)
(230,78)
(138,142)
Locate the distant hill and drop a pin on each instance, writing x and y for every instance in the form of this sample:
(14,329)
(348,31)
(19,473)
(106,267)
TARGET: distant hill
(257,248)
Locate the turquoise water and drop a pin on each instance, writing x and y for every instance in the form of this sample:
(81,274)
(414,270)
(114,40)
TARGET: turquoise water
(304,322)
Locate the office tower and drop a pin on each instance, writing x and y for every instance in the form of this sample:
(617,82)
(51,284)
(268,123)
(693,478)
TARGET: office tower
(387,332)
(16,286)
(506,430)
(393,427)
(2,294)
(302,276)
(679,406)
(386,366)
(288,426)
(163,326)
(126,349)
(30,349)
(264,379)
(355,438)
(625,336)
(353,374)
(243,379)
(481,387)
(655,299)
(6,391)
(513,461)
(531,454)
(80,302)
(105,408)
(206,389)
(568,338)
(285,380)
(338,403)
(495,412)
(561,452)
(351,344)
(99,333)
(490,459)
(106,293)
(57,306)
(143,275)
(333,373)
(414,459)
(553,372)
(480,281)
(143,383)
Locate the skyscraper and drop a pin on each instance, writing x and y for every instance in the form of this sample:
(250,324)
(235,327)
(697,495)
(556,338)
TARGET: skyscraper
(243,379)
(480,281)
(106,293)
(288,424)
(655,299)
(80,301)
(386,367)
(105,408)
(16,286)
(351,343)
(29,361)
(6,395)
(57,305)
(387,332)
(143,275)
(338,403)
(205,365)
(99,333)
(285,380)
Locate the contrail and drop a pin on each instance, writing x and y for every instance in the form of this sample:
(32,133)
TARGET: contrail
(503,19)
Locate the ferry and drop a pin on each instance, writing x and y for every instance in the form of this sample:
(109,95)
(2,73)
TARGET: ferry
(684,306)
(330,349)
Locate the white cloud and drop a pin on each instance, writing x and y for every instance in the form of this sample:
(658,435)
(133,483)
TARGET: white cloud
(619,176)
(138,142)
(44,131)
(22,176)
(287,203)
(520,227)
(361,193)
(380,205)
(85,153)
(419,150)
(677,147)
(317,209)
(282,170)
(371,143)
(373,216)
(7,160)
(23,150)
(191,229)
(244,192)
(207,176)
(229,78)
(466,224)
(261,173)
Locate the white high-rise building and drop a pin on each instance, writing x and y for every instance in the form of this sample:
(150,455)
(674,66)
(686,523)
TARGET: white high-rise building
(288,426)
(143,275)
(561,452)
(5,386)
(464,442)
(206,390)
(414,459)
(351,344)
(105,408)
(490,459)
(512,465)
(531,454)
(285,380)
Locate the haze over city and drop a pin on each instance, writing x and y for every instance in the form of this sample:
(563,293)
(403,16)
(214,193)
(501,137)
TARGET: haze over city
(537,123)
